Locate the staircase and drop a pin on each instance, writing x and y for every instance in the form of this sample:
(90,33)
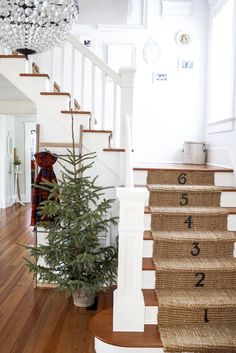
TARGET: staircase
(55,82)
(174,251)
(173,190)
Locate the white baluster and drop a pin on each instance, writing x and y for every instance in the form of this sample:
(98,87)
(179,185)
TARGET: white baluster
(115,128)
(62,75)
(72,81)
(51,70)
(127,96)
(93,89)
(103,107)
(82,81)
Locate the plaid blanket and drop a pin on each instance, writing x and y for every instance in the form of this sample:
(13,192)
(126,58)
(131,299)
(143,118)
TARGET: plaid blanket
(45,161)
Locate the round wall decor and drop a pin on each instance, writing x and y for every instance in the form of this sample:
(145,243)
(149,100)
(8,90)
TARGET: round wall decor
(183,38)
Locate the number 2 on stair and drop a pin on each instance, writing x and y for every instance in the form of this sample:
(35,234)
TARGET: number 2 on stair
(202,276)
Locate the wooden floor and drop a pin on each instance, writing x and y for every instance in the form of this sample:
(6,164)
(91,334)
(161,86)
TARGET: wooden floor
(34,320)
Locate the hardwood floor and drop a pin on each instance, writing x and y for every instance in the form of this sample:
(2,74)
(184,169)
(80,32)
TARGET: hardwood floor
(35,320)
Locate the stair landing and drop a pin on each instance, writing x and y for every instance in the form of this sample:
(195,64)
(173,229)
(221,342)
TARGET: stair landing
(179,166)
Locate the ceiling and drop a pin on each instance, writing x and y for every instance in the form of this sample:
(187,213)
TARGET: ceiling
(10,92)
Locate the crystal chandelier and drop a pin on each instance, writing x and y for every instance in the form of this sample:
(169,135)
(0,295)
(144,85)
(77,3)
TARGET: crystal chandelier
(35,26)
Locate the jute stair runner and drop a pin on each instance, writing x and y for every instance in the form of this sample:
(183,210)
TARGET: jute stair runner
(195,267)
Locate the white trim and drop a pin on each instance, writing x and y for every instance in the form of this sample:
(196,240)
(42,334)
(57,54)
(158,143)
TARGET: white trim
(28,127)
(219,126)
(141,25)
(103,347)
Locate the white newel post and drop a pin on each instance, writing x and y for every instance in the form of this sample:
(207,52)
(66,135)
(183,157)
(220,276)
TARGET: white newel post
(127,99)
(129,308)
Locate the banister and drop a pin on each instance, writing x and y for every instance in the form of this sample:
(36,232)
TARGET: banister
(95,59)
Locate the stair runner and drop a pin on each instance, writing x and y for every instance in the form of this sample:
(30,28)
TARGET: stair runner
(195,267)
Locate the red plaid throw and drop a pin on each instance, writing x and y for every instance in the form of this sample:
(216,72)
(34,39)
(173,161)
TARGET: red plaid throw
(45,161)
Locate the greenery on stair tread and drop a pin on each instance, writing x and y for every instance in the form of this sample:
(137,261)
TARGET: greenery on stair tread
(75,215)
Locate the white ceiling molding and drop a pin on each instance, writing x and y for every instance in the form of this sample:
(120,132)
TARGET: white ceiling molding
(177,7)
(107,12)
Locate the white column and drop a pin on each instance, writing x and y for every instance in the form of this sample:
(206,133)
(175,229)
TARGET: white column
(127,99)
(129,308)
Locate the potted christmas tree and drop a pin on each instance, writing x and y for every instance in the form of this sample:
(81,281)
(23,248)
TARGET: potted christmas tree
(74,216)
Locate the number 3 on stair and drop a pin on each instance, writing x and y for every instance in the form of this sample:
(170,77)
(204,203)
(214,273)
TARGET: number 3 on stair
(196,250)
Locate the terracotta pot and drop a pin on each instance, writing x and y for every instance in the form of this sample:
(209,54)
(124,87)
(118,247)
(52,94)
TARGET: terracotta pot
(84,297)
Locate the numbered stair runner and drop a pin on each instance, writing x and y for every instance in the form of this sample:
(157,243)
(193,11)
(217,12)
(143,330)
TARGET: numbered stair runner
(195,267)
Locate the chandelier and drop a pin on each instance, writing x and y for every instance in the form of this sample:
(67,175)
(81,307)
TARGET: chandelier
(35,26)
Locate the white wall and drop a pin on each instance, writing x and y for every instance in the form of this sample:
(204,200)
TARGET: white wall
(20,146)
(221,135)
(7,126)
(166,112)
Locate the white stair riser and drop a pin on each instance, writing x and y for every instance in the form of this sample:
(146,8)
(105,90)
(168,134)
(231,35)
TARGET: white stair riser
(221,178)
(147,248)
(96,141)
(81,119)
(228,199)
(148,279)
(140,177)
(36,84)
(151,315)
(231,222)
(11,68)
(102,347)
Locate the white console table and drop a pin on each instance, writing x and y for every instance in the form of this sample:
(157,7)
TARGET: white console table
(17,196)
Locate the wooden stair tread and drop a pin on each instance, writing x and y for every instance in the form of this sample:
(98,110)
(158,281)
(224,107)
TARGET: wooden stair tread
(101,327)
(231,210)
(148,264)
(99,131)
(150,298)
(186,167)
(228,188)
(55,94)
(35,75)
(14,56)
(75,112)
(147,210)
(114,150)
(221,188)
(147,235)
